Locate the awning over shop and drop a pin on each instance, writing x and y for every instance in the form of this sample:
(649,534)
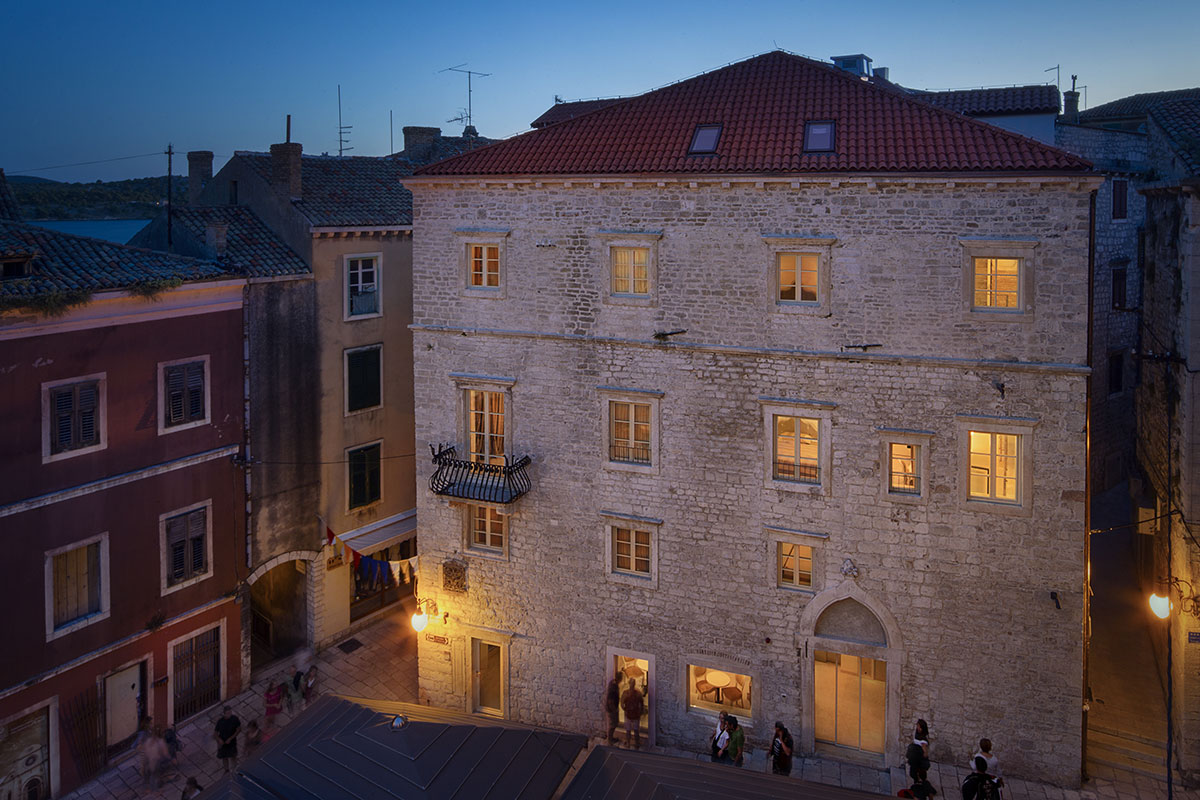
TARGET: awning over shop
(375,537)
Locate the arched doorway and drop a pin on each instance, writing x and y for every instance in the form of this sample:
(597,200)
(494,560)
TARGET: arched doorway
(279,597)
(851,676)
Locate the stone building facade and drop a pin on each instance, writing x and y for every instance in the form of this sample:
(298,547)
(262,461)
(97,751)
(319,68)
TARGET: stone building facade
(738,500)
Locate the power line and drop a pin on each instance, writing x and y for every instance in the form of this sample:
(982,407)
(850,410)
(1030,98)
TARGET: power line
(85,163)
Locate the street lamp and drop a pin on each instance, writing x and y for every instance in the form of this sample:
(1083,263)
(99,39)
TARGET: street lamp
(425,609)
(1161,606)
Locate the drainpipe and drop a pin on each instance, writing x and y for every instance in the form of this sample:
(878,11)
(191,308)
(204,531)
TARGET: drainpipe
(246,454)
(1087,489)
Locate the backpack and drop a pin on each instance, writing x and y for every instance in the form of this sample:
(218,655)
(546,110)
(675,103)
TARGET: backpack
(980,787)
(915,756)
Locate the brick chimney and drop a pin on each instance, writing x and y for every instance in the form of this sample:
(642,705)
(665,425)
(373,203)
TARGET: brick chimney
(1070,106)
(285,168)
(199,172)
(216,236)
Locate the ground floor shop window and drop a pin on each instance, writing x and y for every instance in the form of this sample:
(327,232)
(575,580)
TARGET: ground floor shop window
(382,578)
(850,700)
(718,690)
(197,674)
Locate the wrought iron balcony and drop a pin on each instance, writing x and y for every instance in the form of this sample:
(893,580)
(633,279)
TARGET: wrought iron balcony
(478,480)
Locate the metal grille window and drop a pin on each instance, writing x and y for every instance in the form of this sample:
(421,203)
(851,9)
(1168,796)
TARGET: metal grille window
(631,271)
(904,468)
(797,449)
(487,528)
(483,266)
(362,284)
(364,475)
(75,416)
(183,393)
(485,426)
(994,466)
(631,551)
(196,680)
(629,440)
(77,584)
(798,277)
(187,546)
(997,283)
(795,565)
(363,378)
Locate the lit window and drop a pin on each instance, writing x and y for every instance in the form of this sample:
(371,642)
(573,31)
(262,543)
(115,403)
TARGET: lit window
(904,468)
(631,271)
(363,475)
(994,466)
(362,286)
(795,565)
(485,426)
(797,449)
(818,137)
(483,266)
(630,432)
(704,140)
(631,551)
(997,283)
(487,528)
(716,690)
(798,277)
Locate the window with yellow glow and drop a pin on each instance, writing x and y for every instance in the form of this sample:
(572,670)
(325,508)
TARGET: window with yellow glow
(631,271)
(903,468)
(797,449)
(629,437)
(716,690)
(631,551)
(994,466)
(798,277)
(997,284)
(795,565)
(485,426)
(483,266)
(487,528)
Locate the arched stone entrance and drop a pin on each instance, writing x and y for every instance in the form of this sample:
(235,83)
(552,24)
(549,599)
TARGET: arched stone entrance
(852,659)
(277,607)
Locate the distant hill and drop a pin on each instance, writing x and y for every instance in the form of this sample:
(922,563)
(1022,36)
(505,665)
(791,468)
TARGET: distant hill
(139,198)
(27,179)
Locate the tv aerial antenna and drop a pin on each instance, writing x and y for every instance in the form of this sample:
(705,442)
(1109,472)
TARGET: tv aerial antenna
(465,117)
(343,130)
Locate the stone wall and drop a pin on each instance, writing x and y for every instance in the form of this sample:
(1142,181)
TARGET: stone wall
(976,645)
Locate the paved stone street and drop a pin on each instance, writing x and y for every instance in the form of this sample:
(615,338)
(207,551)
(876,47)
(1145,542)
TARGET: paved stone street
(384,668)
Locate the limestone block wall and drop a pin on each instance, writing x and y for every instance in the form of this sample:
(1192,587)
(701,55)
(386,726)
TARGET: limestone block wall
(975,643)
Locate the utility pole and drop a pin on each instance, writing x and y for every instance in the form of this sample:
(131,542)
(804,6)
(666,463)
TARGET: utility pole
(170,152)
(469,73)
(343,130)
(391,142)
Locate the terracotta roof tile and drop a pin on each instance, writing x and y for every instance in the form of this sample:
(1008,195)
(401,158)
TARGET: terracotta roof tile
(762,104)
(1180,120)
(1135,106)
(985,102)
(559,112)
(250,246)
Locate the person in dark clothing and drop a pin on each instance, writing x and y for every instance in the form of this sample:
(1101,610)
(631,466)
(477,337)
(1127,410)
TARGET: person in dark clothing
(781,751)
(979,785)
(612,708)
(226,733)
(633,703)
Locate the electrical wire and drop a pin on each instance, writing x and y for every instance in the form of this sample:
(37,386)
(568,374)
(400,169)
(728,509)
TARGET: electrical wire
(83,163)
(254,462)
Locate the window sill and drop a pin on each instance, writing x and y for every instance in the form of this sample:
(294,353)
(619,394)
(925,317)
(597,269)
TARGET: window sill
(622,466)
(183,426)
(806,591)
(487,555)
(483,294)
(812,309)
(998,315)
(77,625)
(82,451)
(635,300)
(902,497)
(796,487)
(360,411)
(364,508)
(998,507)
(175,587)
(357,317)
(713,716)
(634,579)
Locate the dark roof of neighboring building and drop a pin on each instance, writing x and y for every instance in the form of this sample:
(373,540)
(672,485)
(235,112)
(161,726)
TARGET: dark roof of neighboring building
(1180,120)
(564,111)
(250,246)
(63,262)
(346,748)
(612,774)
(350,191)
(1136,106)
(1035,99)
(763,104)
(8,202)
(441,147)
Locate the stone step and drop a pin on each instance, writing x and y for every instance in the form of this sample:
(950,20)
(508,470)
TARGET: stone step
(1092,726)
(1136,751)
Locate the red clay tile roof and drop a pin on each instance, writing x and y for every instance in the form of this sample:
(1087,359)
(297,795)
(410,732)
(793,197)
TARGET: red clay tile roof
(1180,119)
(985,102)
(560,112)
(762,104)
(251,248)
(1135,106)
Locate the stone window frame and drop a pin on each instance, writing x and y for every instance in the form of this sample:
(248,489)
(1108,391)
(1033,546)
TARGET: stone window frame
(163,427)
(647,240)
(775,536)
(820,246)
(650,397)
(922,439)
(1024,251)
(467,237)
(468,382)
(101,380)
(478,550)
(165,587)
(79,623)
(748,718)
(820,410)
(1023,428)
(346,259)
(617,519)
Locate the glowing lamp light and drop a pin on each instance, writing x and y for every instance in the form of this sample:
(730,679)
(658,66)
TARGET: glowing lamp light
(1161,606)
(421,619)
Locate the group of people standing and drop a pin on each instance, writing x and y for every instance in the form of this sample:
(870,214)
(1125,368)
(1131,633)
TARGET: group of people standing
(729,744)
(983,783)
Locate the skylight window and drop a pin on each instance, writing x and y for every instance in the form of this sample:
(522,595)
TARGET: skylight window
(704,140)
(818,137)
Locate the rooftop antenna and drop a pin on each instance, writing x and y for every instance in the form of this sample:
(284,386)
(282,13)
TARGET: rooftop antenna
(170,152)
(467,117)
(289,129)
(1057,70)
(343,130)
(391,140)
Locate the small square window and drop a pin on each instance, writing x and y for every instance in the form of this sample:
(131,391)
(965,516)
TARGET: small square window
(77,578)
(74,416)
(705,139)
(798,277)
(483,266)
(631,271)
(795,565)
(363,475)
(488,528)
(631,551)
(818,137)
(187,546)
(998,284)
(15,269)
(995,463)
(183,394)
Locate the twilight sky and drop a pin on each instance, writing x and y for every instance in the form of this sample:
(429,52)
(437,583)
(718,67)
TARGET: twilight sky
(87,81)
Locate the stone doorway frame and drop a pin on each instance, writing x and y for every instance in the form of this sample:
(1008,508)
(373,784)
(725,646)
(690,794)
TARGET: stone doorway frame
(314,562)
(808,642)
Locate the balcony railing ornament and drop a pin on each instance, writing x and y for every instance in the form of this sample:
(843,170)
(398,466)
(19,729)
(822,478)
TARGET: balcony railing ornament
(478,480)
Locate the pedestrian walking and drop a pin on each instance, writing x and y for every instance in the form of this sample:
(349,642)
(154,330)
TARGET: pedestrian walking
(273,702)
(612,708)
(735,750)
(720,745)
(295,691)
(226,732)
(633,703)
(191,789)
(714,743)
(781,750)
(979,785)
(254,737)
(157,759)
(310,685)
(993,763)
(917,754)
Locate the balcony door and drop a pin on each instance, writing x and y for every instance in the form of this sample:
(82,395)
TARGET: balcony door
(487,681)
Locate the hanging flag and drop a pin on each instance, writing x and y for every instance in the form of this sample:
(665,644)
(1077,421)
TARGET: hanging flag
(329,537)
